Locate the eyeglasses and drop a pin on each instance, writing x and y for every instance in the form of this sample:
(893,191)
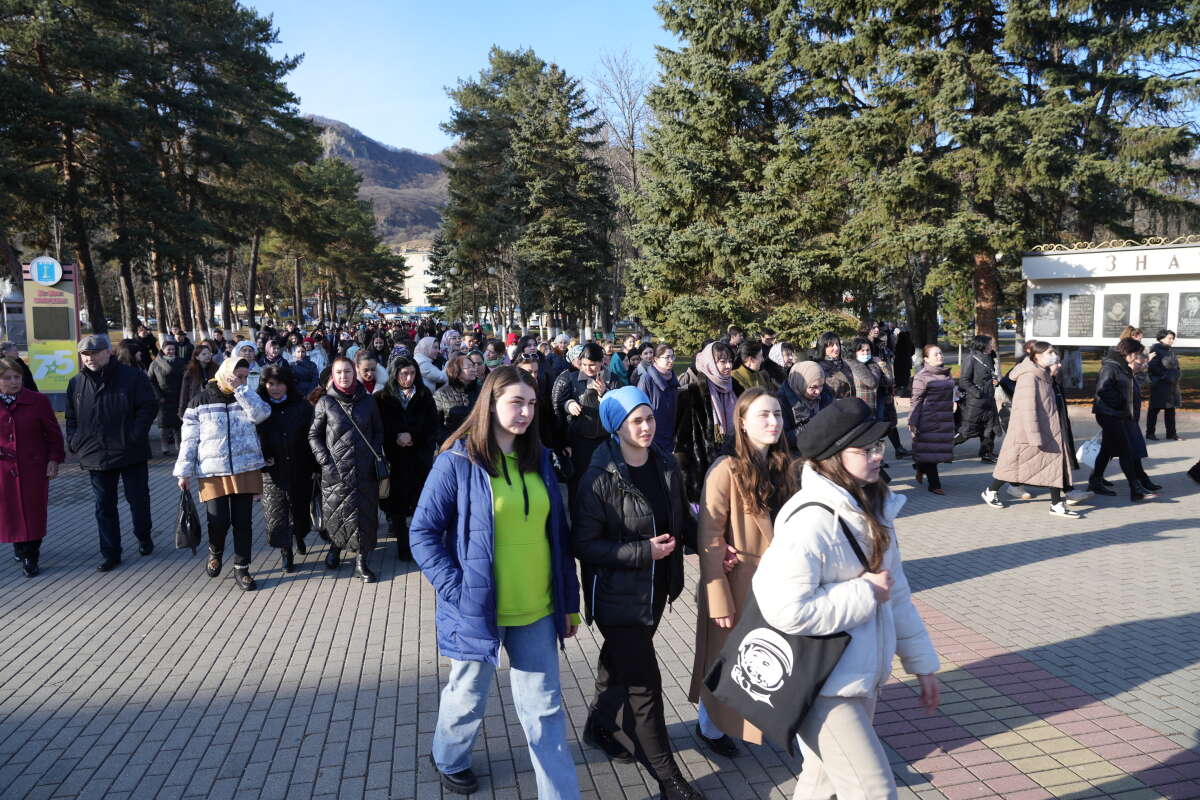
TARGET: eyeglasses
(876,449)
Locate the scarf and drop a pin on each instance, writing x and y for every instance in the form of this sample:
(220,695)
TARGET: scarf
(804,374)
(776,354)
(225,372)
(720,390)
(427,347)
(7,399)
(346,393)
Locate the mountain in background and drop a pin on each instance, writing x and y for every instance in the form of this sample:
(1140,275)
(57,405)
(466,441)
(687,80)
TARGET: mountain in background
(407,189)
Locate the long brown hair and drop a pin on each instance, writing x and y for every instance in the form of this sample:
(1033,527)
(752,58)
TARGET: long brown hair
(767,480)
(476,429)
(871,499)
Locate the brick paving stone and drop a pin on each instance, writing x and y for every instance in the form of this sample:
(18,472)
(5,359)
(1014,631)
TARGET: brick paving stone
(1070,661)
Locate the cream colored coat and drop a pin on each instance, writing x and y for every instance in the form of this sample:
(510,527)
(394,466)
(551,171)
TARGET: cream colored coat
(723,520)
(1033,451)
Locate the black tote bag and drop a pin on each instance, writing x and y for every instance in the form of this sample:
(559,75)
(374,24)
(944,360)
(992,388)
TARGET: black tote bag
(187,525)
(772,678)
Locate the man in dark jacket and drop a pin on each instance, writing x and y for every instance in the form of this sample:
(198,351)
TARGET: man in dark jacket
(9,350)
(575,399)
(632,518)
(1113,405)
(110,408)
(147,341)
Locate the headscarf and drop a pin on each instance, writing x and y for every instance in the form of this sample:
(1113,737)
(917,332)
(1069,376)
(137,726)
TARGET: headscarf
(574,352)
(397,352)
(427,347)
(617,368)
(619,404)
(445,348)
(719,389)
(804,374)
(776,354)
(225,372)
(241,346)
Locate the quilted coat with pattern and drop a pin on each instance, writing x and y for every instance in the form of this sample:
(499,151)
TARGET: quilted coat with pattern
(220,434)
(349,488)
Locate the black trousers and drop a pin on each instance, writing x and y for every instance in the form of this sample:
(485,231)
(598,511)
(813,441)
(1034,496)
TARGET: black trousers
(1152,421)
(629,698)
(136,480)
(236,510)
(28,549)
(931,473)
(288,511)
(1114,442)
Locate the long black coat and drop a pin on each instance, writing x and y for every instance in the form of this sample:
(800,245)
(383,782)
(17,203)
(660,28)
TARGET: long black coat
(349,488)
(284,440)
(697,444)
(1164,378)
(193,383)
(612,533)
(979,395)
(166,376)
(410,465)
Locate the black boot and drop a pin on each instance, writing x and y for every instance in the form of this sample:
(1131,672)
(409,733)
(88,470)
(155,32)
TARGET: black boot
(213,567)
(241,576)
(1194,472)
(30,567)
(334,558)
(289,560)
(362,571)
(1096,487)
(597,736)
(301,547)
(400,531)
(677,788)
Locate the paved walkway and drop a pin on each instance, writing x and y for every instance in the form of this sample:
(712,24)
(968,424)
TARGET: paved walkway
(1070,654)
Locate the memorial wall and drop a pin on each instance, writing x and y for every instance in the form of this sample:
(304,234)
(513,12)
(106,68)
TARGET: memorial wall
(1086,298)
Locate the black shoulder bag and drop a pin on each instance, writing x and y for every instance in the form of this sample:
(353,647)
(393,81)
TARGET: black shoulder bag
(771,678)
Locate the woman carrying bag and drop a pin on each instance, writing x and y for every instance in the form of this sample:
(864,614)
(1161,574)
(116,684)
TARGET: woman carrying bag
(810,582)
(410,426)
(742,493)
(347,440)
(490,534)
(220,448)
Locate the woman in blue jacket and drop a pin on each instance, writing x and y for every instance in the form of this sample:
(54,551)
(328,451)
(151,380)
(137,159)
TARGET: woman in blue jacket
(490,533)
(659,383)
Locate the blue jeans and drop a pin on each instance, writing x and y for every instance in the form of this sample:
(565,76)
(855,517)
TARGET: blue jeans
(136,479)
(707,726)
(533,654)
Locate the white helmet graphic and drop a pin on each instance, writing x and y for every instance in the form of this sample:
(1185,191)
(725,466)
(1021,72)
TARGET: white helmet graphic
(764,663)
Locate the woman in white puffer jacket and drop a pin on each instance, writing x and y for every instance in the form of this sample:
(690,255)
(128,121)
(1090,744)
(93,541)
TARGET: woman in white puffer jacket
(219,447)
(810,582)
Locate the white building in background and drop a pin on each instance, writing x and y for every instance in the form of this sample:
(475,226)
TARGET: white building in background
(416,254)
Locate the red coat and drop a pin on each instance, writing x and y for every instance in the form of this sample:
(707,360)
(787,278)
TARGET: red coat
(29,439)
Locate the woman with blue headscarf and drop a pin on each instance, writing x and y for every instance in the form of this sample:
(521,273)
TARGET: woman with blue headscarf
(630,518)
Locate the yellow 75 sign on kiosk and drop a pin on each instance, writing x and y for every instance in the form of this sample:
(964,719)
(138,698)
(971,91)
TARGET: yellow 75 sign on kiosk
(52,363)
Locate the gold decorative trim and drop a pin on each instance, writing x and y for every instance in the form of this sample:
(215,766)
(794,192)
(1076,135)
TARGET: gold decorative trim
(1151,241)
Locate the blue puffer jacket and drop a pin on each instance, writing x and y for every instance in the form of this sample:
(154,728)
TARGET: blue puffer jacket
(452,540)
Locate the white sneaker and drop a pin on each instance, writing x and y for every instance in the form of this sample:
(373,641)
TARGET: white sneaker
(1061,510)
(1076,496)
(991,498)
(1017,492)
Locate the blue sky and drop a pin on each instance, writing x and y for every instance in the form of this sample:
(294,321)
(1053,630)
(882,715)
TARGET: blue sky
(382,67)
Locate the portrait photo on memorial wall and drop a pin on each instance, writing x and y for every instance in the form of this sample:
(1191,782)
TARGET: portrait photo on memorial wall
(1153,314)
(1047,315)
(1189,316)
(1116,314)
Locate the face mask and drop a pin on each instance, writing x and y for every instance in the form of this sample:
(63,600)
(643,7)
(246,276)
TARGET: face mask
(494,362)
(863,358)
(1050,359)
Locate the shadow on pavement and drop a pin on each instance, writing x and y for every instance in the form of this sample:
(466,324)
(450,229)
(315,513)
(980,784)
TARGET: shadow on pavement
(935,571)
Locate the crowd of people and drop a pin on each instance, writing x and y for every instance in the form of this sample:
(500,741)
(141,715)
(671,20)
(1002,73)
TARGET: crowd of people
(521,473)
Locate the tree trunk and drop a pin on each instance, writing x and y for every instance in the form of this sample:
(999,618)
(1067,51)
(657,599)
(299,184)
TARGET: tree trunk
(987,294)
(252,281)
(199,318)
(227,291)
(160,295)
(12,261)
(182,303)
(297,307)
(129,314)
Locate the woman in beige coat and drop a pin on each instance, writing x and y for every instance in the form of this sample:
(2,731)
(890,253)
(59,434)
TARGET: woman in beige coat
(742,493)
(1034,451)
